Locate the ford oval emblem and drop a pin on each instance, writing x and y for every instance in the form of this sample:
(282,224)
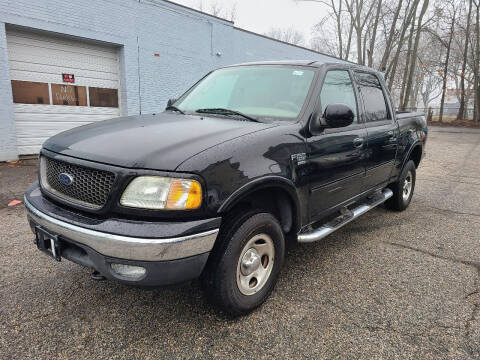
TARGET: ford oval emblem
(65,179)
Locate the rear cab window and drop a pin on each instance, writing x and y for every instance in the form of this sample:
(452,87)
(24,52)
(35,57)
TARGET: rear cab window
(373,96)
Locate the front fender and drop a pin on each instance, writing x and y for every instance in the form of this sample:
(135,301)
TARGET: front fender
(271,181)
(264,183)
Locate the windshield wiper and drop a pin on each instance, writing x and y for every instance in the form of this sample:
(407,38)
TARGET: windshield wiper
(174,108)
(223,111)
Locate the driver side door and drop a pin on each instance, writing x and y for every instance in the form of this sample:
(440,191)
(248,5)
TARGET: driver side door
(336,157)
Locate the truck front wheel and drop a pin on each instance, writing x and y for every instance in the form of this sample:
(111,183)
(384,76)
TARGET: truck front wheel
(245,263)
(403,188)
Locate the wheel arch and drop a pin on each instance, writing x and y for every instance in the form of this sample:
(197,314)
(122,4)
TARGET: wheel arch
(414,153)
(280,197)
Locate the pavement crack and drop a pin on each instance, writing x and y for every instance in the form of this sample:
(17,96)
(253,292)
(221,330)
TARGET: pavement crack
(476,304)
(449,211)
(425,178)
(473,317)
(474,264)
(472,293)
(476,307)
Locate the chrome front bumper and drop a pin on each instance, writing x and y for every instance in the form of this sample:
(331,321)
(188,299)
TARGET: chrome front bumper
(126,247)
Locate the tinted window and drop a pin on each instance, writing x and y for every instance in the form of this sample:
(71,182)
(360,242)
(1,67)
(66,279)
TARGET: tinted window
(69,95)
(373,97)
(103,97)
(338,89)
(27,92)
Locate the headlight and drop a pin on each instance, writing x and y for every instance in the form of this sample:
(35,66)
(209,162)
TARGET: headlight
(162,193)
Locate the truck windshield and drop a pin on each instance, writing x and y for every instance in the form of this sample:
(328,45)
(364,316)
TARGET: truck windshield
(267,92)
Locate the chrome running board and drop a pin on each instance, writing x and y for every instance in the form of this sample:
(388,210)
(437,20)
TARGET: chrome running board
(345,218)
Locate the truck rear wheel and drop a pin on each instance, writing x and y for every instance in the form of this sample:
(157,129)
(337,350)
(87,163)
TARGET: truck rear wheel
(403,188)
(245,263)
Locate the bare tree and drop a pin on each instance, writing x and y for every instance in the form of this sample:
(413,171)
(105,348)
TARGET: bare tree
(388,35)
(462,108)
(360,11)
(390,38)
(289,35)
(373,36)
(218,9)
(448,46)
(407,20)
(407,65)
(323,38)
(476,112)
(413,61)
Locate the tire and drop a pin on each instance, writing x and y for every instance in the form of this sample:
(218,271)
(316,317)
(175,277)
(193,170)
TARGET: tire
(242,269)
(403,189)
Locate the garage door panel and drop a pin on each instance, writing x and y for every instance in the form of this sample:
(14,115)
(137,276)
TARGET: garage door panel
(54,78)
(36,123)
(32,129)
(32,133)
(25,67)
(62,59)
(52,110)
(27,50)
(37,57)
(57,43)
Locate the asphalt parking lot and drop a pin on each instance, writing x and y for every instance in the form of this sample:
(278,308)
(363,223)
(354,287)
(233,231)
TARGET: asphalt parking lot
(387,286)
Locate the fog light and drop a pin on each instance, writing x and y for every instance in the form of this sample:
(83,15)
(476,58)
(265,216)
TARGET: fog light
(133,272)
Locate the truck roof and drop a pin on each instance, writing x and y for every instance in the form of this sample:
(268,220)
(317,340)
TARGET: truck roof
(312,63)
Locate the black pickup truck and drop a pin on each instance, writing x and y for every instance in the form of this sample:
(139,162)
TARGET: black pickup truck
(250,157)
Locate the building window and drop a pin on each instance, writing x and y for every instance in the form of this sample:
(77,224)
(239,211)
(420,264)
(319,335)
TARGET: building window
(103,97)
(69,95)
(27,92)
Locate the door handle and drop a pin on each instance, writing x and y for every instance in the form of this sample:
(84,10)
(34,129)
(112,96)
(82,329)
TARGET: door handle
(358,142)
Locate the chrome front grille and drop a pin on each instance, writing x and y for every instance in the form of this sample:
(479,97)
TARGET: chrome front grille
(89,187)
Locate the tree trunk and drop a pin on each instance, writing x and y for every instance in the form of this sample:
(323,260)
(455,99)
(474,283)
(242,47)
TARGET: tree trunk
(408,60)
(393,66)
(445,69)
(374,34)
(476,115)
(349,41)
(364,55)
(462,108)
(339,27)
(415,52)
(429,115)
(414,97)
(389,44)
(359,45)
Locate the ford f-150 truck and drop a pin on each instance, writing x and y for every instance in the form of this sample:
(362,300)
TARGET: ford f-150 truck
(250,157)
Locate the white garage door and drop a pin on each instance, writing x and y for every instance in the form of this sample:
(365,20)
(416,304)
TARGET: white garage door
(59,83)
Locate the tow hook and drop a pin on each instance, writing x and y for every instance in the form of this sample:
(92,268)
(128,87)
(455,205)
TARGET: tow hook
(97,276)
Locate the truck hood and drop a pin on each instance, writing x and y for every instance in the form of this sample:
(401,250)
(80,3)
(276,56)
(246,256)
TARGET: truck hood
(160,142)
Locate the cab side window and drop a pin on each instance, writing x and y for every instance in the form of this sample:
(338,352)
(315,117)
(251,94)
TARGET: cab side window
(338,89)
(376,108)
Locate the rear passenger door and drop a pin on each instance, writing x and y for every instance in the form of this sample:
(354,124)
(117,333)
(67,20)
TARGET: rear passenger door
(382,130)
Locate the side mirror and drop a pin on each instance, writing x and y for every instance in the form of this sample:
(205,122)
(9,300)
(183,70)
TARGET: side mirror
(338,115)
(316,124)
(170,102)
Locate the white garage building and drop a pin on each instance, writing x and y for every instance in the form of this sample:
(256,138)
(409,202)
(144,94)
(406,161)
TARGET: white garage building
(45,102)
